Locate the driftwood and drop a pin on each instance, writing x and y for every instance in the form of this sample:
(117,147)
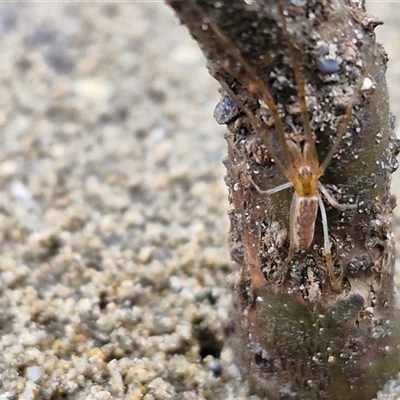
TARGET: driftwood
(300,336)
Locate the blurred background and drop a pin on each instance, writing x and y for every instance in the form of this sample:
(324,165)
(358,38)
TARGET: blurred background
(113,226)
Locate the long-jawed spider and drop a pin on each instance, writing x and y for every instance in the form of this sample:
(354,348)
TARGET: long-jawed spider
(299,164)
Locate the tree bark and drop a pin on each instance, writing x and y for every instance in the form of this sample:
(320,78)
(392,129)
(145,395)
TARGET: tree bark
(298,338)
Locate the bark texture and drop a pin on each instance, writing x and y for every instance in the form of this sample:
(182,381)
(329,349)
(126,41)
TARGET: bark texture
(299,339)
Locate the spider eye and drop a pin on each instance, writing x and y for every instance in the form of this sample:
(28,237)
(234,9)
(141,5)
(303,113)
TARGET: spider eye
(305,172)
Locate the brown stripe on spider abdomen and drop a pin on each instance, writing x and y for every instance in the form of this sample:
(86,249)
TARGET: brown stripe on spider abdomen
(303,213)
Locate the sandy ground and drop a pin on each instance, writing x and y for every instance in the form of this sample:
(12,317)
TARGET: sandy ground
(112,206)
